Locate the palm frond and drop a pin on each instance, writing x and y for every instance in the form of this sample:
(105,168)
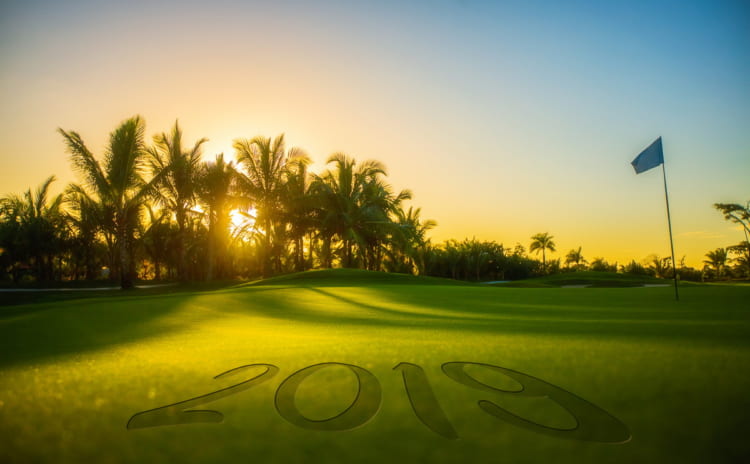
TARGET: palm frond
(85,163)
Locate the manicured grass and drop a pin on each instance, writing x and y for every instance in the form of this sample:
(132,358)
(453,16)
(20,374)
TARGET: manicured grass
(590,279)
(74,371)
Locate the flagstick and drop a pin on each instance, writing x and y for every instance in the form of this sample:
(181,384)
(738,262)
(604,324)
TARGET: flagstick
(671,242)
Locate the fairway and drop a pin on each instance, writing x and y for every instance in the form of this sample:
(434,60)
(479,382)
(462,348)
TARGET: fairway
(74,371)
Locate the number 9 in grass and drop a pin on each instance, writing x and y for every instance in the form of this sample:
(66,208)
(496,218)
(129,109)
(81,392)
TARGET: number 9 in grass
(592,422)
(364,407)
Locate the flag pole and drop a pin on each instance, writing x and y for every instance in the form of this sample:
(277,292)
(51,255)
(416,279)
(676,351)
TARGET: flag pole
(671,241)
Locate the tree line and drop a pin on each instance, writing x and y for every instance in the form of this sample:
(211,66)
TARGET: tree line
(159,211)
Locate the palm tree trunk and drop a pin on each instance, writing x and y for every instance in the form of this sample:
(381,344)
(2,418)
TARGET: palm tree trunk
(112,257)
(126,279)
(267,249)
(347,254)
(126,258)
(89,261)
(326,251)
(211,255)
(182,263)
(310,245)
(298,254)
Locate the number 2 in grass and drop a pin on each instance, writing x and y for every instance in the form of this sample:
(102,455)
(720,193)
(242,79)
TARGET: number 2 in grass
(181,413)
(592,422)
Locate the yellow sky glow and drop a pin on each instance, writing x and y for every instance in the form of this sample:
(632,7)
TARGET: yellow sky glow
(500,131)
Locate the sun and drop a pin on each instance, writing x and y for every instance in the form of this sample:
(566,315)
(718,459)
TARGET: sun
(242,220)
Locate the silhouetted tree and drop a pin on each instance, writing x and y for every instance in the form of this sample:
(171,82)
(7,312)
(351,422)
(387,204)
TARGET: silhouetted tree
(263,164)
(542,242)
(660,268)
(118,184)
(575,257)
(217,186)
(353,203)
(33,231)
(717,259)
(176,189)
(736,213)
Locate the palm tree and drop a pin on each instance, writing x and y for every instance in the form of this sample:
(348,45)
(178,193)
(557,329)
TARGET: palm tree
(216,185)
(176,190)
(742,257)
(660,267)
(156,238)
(297,203)
(736,213)
(118,184)
(718,260)
(85,215)
(350,201)
(35,228)
(409,239)
(379,204)
(264,162)
(741,215)
(575,257)
(542,242)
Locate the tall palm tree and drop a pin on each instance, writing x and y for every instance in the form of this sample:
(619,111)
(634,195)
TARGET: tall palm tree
(717,259)
(176,190)
(542,242)
(216,185)
(379,205)
(264,164)
(117,182)
(346,205)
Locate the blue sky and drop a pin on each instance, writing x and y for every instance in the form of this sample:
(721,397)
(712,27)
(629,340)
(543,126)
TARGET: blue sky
(505,118)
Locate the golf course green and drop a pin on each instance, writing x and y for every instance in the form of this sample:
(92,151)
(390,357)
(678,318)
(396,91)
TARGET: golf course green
(78,369)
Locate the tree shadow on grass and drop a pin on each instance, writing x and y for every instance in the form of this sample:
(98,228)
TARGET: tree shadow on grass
(702,315)
(625,319)
(40,332)
(59,328)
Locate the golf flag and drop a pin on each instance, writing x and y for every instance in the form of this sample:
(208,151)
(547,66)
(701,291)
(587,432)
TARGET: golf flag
(649,158)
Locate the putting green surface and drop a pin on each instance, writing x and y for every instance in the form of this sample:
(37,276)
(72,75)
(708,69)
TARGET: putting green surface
(74,371)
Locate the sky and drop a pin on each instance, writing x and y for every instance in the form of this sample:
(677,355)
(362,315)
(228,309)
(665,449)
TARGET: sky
(505,119)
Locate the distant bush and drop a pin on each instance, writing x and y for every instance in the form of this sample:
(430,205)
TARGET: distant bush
(690,274)
(601,265)
(479,261)
(634,268)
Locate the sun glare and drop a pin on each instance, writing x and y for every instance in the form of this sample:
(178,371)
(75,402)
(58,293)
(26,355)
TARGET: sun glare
(243,220)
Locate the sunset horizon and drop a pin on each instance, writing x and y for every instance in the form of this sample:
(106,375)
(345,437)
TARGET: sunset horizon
(519,120)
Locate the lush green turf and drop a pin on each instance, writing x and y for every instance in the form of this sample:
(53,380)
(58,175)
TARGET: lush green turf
(590,279)
(73,371)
